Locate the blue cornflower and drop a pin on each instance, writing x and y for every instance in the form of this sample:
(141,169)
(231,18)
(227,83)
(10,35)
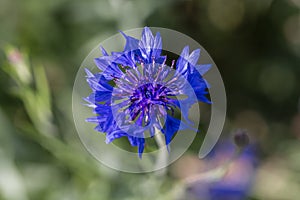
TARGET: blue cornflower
(137,93)
(238,180)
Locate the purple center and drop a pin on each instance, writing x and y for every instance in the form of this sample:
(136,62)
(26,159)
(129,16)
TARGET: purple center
(148,92)
(144,97)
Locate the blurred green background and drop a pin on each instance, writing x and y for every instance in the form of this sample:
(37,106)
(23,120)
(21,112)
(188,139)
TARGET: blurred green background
(255,44)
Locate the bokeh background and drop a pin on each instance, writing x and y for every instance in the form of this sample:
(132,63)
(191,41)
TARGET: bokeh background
(255,44)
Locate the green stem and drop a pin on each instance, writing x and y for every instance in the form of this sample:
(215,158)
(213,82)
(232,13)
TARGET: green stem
(163,153)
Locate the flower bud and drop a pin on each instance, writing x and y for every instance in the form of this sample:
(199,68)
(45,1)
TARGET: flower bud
(241,138)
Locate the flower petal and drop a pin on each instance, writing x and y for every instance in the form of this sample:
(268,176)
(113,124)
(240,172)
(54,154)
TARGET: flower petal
(202,69)
(108,67)
(150,46)
(199,86)
(89,74)
(114,135)
(181,64)
(157,46)
(139,142)
(131,43)
(186,62)
(103,51)
(171,127)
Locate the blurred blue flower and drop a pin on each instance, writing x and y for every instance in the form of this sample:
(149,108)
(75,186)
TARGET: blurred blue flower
(237,182)
(136,92)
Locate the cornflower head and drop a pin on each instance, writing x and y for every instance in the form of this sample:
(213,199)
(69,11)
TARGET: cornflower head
(136,93)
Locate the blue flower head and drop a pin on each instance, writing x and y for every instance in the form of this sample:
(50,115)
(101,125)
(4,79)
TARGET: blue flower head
(136,93)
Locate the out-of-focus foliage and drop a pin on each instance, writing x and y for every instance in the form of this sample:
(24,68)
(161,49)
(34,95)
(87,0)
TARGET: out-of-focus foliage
(255,44)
